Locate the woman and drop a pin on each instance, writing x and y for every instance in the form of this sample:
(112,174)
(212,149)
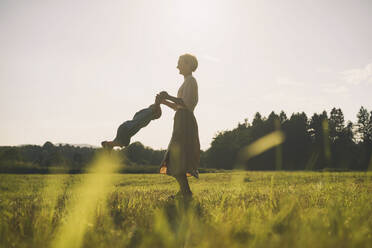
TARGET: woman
(183,155)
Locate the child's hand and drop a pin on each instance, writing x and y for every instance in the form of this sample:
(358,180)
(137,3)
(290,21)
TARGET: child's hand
(164,94)
(158,99)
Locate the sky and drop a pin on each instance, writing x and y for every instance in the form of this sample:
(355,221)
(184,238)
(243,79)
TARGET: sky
(73,71)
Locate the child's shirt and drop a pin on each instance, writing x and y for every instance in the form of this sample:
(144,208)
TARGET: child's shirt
(140,120)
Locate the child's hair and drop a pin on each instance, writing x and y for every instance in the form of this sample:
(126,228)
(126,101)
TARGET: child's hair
(191,60)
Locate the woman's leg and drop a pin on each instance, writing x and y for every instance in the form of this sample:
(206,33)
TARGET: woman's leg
(184,185)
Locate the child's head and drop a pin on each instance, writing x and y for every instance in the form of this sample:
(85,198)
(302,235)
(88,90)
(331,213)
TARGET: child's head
(187,64)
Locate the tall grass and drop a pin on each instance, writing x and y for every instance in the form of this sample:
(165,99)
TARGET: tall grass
(238,209)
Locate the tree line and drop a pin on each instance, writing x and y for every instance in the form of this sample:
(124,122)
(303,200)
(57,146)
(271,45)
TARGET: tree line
(33,158)
(322,141)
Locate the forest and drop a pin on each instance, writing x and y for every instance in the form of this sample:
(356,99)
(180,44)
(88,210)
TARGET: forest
(324,141)
(320,142)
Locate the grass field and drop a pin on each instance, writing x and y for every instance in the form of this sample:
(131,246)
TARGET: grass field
(237,209)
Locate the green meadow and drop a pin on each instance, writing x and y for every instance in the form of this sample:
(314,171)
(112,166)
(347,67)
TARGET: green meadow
(235,209)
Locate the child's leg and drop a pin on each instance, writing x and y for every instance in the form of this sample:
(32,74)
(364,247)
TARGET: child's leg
(122,137)
(109,144)
(131,127)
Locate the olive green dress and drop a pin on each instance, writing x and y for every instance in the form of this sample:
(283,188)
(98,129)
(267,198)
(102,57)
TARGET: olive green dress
(183,154)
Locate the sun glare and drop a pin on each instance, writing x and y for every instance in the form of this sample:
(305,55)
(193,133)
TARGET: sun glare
(196,15)
(263,144)
(85,200)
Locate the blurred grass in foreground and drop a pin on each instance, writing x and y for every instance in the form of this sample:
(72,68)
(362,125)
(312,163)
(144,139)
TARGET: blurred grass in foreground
(237,209)
(81,207)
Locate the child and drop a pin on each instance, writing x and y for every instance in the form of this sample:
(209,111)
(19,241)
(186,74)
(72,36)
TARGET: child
(129,128)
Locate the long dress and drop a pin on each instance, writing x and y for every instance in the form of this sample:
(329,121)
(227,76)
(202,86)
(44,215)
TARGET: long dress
(183,154)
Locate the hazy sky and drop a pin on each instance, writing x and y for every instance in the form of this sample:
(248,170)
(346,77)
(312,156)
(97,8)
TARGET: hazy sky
(73,71)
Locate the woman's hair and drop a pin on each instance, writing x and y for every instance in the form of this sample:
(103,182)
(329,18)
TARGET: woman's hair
(190,60)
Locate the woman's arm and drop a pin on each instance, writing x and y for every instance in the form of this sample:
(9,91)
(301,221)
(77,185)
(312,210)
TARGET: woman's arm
(172,105)
(176,100)
(161,99)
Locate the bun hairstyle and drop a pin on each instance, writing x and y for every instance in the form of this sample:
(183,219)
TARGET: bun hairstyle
(190,60)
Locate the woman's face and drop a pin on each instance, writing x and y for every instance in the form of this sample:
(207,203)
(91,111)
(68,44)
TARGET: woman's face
(183,67)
